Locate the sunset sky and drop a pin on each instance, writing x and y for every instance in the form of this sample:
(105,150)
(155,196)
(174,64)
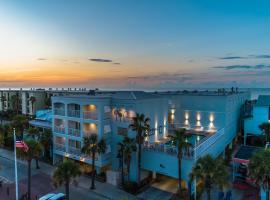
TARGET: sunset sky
(134,44)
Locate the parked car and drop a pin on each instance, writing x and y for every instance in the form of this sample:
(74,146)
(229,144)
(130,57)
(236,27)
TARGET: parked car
(52,196)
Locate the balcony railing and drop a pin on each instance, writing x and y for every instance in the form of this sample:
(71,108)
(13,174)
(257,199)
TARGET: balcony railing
(206,142)
(172,150)
(90,115)
(74,151)
(202,148)
(74,132)
(88,133)
(59,129)
(59,111)
(107,115)
(59,147)
(74,113)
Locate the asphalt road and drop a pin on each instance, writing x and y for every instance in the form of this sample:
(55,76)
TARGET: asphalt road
(76,193)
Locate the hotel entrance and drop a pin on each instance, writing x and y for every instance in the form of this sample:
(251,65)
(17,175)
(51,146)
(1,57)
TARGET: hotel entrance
(164,183)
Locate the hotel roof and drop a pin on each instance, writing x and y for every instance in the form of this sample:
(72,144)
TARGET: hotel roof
(263,100)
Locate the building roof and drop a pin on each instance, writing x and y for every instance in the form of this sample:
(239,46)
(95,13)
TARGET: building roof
(134,95)
(263,100)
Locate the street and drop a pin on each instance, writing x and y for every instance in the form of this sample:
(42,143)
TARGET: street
(40,183)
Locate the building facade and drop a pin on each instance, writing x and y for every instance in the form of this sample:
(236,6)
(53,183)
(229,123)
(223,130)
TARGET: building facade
(260,113)
(211,119)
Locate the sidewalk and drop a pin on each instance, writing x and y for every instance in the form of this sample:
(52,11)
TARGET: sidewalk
(104,190)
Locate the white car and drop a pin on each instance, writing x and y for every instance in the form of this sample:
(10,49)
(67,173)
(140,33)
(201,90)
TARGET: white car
(52,196)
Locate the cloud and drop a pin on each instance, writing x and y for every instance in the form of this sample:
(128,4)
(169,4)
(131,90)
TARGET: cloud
(117,63)
(41,59)
(231,67)
(259,56)
(231,57)
(100,60)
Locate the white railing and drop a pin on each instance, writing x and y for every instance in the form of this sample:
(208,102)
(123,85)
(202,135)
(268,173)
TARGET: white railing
(207,142)
(59,147)
(90,115)
(74,113)
(74,132)
(74,151)
(59,111)
(88,133)
(59,129)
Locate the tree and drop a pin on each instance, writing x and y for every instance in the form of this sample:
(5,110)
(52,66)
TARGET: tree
(179,139)
(259,170)
(7,136)
(32,100)
(15,102)
(47,143)
(3,100)
(140,125)
(34,150)
(48,101)
(65,174)
(91,147)
(209,172)
(129,146)
(35,134)
(265,128)
(19,122)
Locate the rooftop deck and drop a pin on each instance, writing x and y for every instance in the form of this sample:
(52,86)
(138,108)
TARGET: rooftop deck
(199,139)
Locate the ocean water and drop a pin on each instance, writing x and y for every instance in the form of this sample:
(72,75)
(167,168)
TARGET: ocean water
(255,92)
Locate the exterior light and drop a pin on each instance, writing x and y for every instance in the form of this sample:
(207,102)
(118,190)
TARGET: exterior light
(186,140)
(172,111)
(211,118)
(198,117)
(198,138)
(186,116)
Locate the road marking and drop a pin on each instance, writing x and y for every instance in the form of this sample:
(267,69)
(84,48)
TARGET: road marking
(4,180)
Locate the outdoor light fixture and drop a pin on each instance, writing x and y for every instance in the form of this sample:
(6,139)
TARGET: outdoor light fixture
(211,117)
(198,117)
(186,116)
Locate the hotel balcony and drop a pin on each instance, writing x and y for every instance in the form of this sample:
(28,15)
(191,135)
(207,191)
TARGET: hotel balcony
(89,129)
(59,111)
(74,151)
(73,110)
(59,129)
(60,147)
(74,132)
(90,112)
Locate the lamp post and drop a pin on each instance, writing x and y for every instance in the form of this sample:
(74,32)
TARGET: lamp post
(195,158)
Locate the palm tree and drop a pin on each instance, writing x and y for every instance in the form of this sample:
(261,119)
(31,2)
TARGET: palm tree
(129,146)
(47,143)
(65,173)
(140,125)
(19,122)
(179,139)
(91,147)
(209,172)
(3,100)
(47,101)
(15,102)
(265,128)
(259,169)
(35,134)
(34,150)
(7,136)
(32,100)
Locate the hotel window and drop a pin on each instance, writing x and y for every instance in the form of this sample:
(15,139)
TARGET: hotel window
(122,131)
(74,144)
